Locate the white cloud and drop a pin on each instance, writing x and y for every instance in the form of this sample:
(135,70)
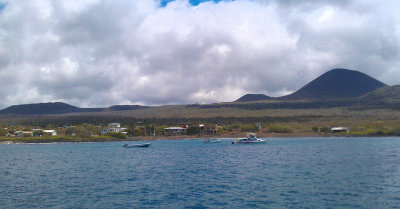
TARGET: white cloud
(103,52)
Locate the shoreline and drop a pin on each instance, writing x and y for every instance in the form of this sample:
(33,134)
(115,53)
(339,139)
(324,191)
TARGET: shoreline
(179,137)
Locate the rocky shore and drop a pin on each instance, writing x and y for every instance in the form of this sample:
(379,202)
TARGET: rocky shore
(14,140)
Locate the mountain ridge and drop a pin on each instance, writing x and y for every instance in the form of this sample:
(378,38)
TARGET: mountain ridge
(337,83)
(253,97)
(50,108)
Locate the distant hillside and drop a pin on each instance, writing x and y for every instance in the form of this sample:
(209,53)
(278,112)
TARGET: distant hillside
(253,97)
(125,107)
(39,109)
(59,108)
(385,94)
(337,84)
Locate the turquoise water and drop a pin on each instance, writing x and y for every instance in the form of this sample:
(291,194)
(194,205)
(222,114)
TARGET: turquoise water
(282,173)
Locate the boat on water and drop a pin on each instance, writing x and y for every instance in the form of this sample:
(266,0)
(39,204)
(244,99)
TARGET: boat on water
(251,138)
(210,141)
(137,145)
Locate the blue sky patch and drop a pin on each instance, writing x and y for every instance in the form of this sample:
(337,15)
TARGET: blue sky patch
(2,5)
(192,2)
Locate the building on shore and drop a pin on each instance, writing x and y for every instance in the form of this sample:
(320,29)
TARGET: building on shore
(39,132)
(112,128)
(339,130)
(174,131)
(23,133)
(50,132)
(209,129)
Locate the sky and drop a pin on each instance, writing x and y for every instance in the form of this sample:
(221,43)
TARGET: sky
(97,53)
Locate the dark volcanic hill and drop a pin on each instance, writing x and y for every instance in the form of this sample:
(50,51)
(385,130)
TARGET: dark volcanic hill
(337,84)
(59,108)
(39,109)
(253,97)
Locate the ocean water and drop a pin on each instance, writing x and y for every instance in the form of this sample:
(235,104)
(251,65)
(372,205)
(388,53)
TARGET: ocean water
(282,173)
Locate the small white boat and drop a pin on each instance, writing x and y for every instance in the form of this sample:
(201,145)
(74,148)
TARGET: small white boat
(212,141)
(251,138)
(137,145)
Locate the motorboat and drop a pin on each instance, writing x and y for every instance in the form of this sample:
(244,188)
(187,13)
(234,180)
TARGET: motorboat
(212,141)
(137,145)
(251,138)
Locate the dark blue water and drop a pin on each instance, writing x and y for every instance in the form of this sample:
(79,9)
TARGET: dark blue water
(283,173)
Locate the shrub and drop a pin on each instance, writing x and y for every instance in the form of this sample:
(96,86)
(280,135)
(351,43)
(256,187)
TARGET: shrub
(118,135)
(70,131)
(79,131)
(280,129)
(235,126)
(325,129)
(27,135)
(249,128)
(395,132)
(132,131)
(94,130)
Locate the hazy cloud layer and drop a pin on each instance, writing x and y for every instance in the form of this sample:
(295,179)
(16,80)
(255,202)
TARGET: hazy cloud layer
(103,52)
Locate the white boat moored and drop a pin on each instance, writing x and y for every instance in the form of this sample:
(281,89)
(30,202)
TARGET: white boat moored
(212,141)
(251,138)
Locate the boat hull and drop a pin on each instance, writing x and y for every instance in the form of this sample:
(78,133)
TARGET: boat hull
(247,141)
(136,145)
(212,141)
(251,142)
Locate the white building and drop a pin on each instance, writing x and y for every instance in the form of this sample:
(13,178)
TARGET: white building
(339,129)
(172,131)
(112,127)
(50,132)
(46,132)
(104,131)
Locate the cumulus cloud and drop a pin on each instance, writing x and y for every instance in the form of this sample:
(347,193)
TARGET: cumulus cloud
(103,52)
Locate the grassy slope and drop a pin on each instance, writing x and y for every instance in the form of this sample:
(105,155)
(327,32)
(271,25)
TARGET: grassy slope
(386,94)
(326,116)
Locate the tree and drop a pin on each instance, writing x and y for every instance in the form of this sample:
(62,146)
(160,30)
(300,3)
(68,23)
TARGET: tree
(193,130)
(82,131)
(325,129)
(135,131)
(70,131)
(2,132)
(94,130)
(79,131)
(160,130)
(280,129)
